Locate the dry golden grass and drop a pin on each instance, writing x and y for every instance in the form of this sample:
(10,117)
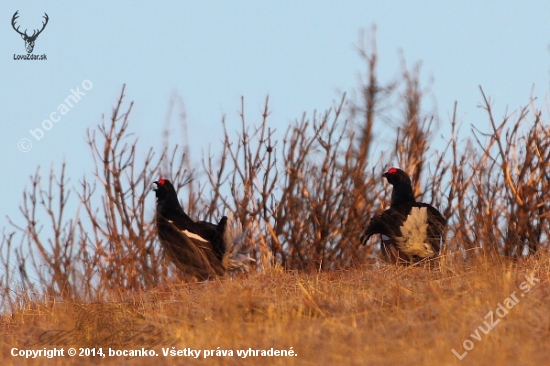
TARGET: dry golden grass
(369,316)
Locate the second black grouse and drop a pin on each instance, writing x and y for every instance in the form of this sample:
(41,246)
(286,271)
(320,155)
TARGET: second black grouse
(410,230)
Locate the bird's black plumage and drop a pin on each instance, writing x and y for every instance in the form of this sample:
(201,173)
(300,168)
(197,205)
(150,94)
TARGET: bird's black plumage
(197,248)
(410,230)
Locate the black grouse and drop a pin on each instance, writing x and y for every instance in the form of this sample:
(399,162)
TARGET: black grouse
(410,230)
(200,249)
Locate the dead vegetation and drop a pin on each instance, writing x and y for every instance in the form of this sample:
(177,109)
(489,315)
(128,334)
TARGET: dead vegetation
(369,315)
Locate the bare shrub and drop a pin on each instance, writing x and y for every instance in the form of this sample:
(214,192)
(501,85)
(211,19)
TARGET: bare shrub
(303,200)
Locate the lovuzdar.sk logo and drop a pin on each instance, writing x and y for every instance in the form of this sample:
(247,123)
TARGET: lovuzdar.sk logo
(29,39)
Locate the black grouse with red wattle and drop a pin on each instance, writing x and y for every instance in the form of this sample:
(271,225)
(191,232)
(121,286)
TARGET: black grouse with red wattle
(198,248)
(411,231)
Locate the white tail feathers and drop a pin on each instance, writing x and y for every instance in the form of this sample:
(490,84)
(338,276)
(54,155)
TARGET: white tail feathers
(415,234)
(236,254)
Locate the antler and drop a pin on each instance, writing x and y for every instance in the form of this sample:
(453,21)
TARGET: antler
(35,34)
(15,16)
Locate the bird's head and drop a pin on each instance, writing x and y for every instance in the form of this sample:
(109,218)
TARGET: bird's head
(402,188)
(163,188)
(396,176)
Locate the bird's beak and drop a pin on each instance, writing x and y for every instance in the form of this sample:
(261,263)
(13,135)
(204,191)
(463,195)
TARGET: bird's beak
(155,186)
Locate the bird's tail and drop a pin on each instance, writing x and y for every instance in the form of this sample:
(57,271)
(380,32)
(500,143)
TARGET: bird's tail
(236,253)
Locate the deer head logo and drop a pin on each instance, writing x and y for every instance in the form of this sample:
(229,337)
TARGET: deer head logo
(29,40)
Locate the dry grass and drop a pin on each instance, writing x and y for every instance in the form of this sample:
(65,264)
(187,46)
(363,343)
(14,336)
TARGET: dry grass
(378,316)
(95,276)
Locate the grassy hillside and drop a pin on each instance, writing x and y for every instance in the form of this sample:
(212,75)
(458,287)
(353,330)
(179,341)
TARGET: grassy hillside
(366,316)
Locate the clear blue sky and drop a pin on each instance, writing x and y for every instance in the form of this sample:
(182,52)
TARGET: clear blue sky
(302,53)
